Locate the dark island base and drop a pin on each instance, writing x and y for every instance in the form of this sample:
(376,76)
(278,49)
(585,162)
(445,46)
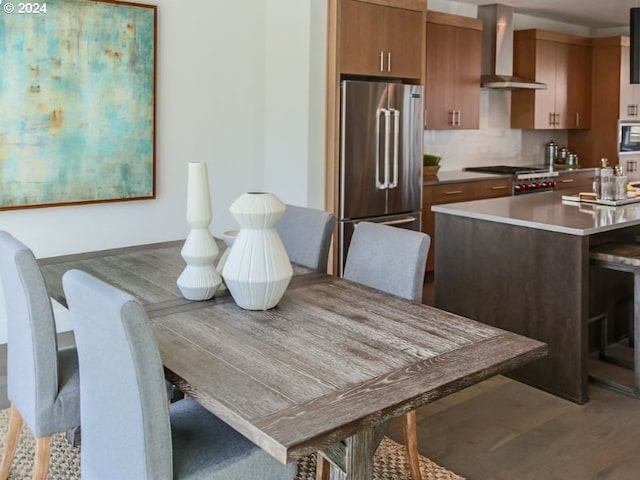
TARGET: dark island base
(528,281)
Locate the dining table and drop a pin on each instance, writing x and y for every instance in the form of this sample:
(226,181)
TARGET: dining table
(326,370)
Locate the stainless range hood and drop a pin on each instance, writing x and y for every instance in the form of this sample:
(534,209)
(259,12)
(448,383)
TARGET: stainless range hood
(497,50)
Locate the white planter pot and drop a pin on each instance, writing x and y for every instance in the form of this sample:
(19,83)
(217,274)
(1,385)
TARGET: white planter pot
(257,270)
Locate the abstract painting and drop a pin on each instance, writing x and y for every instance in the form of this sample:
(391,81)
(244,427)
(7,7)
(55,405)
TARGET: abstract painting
(77,103)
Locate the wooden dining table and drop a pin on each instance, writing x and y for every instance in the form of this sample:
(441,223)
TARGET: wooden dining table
(326,369)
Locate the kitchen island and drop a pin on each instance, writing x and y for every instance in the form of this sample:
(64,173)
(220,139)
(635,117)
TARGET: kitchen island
(522,263)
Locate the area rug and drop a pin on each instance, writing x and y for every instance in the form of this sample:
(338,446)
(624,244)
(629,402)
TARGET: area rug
(65,460)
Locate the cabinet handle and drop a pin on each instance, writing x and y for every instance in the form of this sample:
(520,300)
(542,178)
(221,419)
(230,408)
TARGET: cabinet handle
(453,192)
(381,61)
(552,117)
(632,110)
(388,61)
(457,118)
(557,116)
(452,118)
(499,187)
(577,119)
(570,180)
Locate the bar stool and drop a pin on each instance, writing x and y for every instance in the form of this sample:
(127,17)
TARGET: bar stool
(622,257)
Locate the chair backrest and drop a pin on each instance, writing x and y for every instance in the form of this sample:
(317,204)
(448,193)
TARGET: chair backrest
(388,258)
(32,346)
(124,411)
(306,235)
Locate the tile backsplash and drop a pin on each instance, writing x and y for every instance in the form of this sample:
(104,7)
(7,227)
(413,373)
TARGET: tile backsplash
(494,143)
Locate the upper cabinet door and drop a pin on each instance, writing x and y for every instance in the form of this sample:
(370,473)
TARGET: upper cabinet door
(452,76)
(579,95)
(403,33)
(629,92)
(380,40)
(545,100)
(362,38)
(561,84)
(439,75)
(558,61)
(467,93)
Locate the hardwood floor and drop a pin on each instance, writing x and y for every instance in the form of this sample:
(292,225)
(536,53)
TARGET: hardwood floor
(501,429)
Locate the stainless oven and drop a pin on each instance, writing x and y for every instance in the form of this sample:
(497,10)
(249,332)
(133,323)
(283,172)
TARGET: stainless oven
(525,179)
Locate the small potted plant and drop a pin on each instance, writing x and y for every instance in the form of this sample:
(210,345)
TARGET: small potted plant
(430,165)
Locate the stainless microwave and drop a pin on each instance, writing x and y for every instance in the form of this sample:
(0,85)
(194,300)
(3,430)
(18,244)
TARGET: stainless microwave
(628,138)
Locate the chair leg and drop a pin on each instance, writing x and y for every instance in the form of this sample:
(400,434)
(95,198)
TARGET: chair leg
(323,467)
(13,435)
(411,444)
(41,461)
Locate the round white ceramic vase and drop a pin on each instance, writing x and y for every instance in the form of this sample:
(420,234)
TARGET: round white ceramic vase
(200,279)
(257,270)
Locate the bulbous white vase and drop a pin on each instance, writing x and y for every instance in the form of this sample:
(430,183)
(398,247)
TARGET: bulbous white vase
(257,270)
(200,279)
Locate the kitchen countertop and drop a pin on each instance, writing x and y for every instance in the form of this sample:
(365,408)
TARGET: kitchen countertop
(547,211)
(454,176)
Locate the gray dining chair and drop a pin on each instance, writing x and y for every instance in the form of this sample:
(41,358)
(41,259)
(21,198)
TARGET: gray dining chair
(42,380)
(132,432)
(393,260)
(306,235)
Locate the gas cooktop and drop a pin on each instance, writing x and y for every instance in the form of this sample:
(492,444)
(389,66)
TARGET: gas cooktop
(525,179)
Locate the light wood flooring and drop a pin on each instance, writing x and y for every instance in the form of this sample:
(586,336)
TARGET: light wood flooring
(503,429)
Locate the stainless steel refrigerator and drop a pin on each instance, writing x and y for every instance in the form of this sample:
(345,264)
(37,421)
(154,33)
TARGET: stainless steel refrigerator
(381,138)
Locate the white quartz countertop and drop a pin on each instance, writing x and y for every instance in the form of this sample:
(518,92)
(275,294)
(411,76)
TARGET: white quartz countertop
(452,176)
(547,211)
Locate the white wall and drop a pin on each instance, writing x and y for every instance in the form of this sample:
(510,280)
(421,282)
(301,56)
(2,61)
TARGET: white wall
(240,86)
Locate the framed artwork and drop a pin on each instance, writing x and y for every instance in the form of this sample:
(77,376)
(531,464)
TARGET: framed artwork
(77,96)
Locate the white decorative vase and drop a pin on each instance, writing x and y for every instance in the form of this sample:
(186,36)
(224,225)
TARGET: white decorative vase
(257,270)
(200,279)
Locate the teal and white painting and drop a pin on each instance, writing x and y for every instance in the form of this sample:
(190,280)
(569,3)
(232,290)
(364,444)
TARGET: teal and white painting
(77,102)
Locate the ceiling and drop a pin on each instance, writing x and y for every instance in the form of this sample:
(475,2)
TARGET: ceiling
(587,13)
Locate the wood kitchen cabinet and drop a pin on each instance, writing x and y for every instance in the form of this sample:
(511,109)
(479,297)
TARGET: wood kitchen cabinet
(614,98)
(380,40)
(452,77)
(629,92)
(582,179)
(440,193)
(562,62)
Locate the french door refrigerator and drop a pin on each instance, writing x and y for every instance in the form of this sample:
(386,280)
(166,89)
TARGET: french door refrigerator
(381,138)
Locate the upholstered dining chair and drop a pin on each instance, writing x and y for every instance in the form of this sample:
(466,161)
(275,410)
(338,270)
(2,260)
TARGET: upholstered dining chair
(132,432)
(306,234)
(42,380)
(393,260)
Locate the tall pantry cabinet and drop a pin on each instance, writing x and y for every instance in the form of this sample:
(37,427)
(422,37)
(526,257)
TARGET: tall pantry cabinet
(452,77)
(375,40)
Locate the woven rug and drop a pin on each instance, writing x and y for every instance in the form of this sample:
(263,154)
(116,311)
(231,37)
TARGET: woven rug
(65,460)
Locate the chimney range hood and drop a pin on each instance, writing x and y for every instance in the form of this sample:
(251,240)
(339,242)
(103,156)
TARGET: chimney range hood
(497,50)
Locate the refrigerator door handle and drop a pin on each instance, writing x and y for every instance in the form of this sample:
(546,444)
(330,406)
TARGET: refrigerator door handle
(380,185)
(387,143)
(396,139)
(400,221)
